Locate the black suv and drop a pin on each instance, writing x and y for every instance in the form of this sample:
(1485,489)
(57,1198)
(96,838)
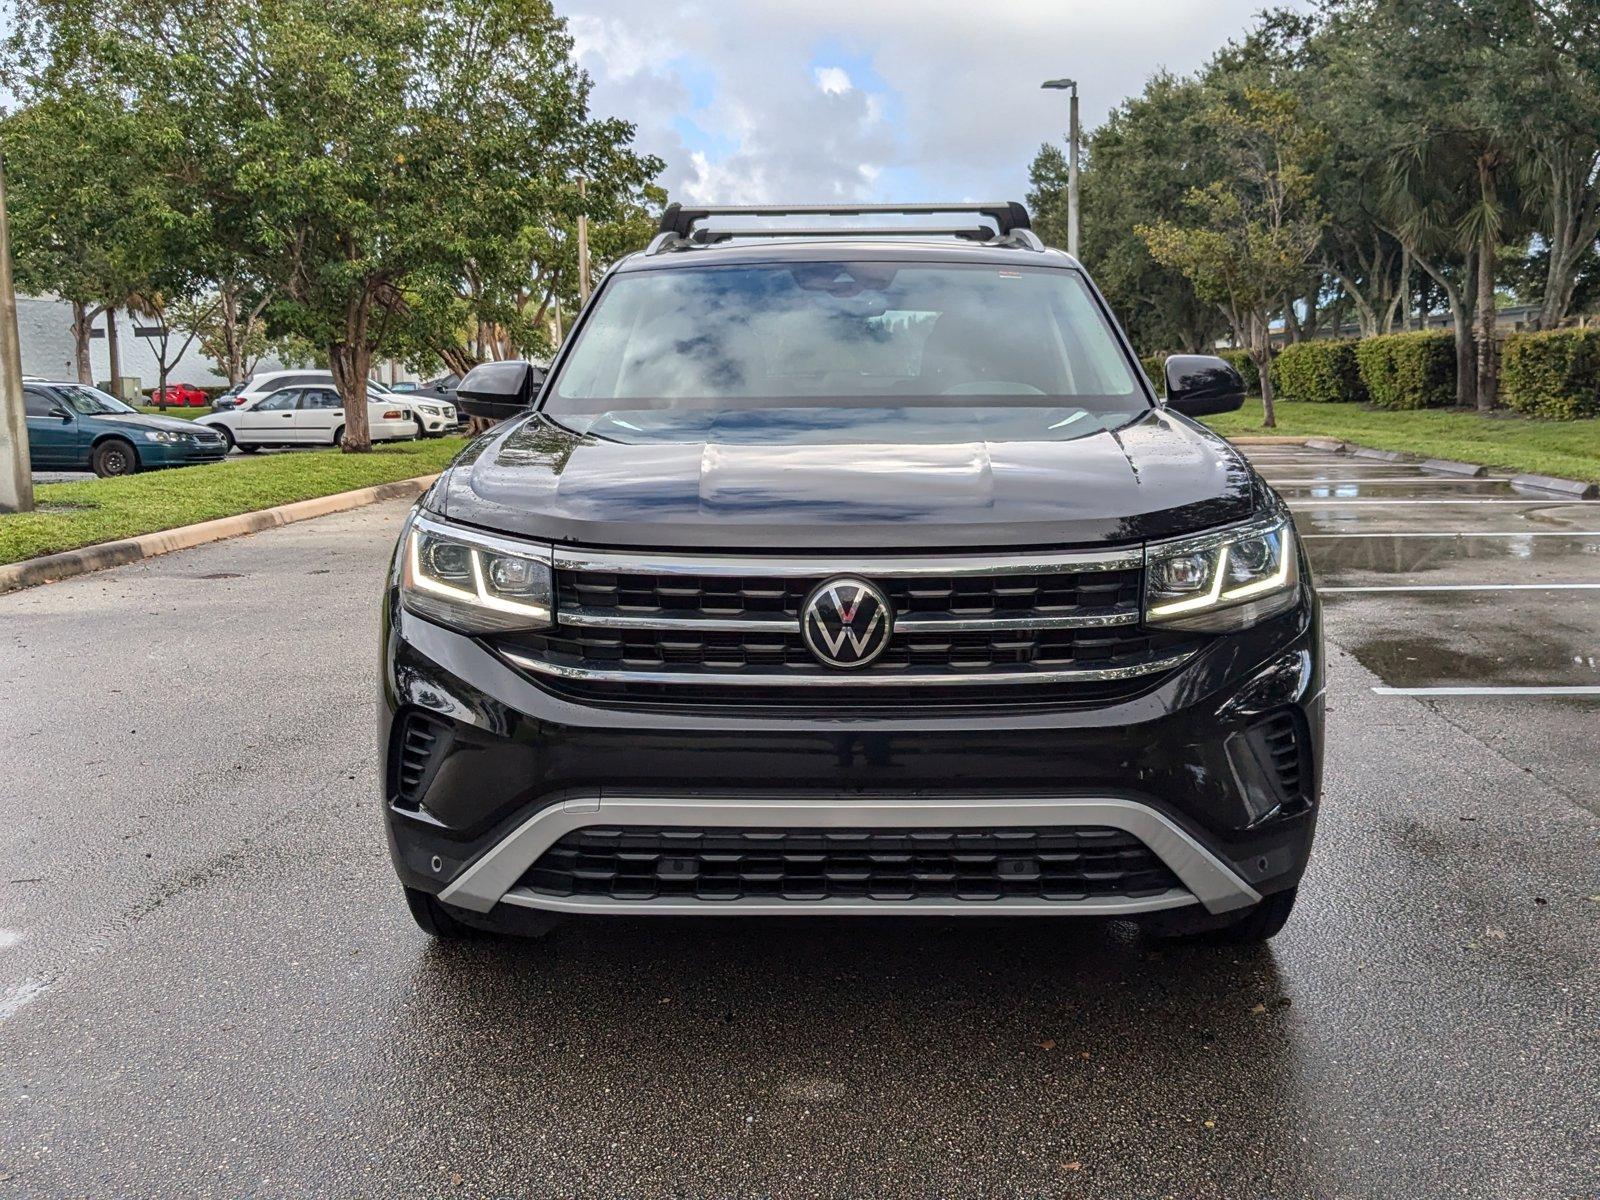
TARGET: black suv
(846,570)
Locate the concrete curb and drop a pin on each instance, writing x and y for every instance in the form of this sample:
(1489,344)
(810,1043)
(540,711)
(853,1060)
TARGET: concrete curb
(1575,488)
(1445,466)
(52,567)
(1380,455)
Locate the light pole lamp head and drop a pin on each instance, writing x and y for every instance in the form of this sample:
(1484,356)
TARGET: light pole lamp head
(1061,85)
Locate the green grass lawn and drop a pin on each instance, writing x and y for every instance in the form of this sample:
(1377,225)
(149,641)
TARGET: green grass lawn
(70,515)
(187,413)
(1568,449)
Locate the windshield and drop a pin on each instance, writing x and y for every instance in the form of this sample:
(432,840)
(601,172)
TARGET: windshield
(849,352)
(91,402)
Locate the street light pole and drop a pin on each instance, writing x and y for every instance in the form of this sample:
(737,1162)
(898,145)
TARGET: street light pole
(1070,86)
(583,244)
(16,481)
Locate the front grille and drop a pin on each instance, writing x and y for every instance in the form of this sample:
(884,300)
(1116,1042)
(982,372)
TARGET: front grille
(651,649)
(1021,595)
(717,630)
(644,864)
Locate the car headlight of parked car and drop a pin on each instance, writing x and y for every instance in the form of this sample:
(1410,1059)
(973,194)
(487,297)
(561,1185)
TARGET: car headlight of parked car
(161,435)
(1223,581)
(474,582)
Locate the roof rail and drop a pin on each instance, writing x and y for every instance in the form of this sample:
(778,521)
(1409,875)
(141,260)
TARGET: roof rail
(680,220)
(971,233)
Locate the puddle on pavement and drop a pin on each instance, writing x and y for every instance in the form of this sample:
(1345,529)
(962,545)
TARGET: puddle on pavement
(1404,489)
(1471,639)
(1446,519)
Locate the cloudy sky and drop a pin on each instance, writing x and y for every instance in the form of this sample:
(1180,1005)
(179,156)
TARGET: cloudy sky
(759,100)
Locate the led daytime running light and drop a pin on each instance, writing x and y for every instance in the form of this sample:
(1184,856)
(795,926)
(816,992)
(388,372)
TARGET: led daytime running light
(482,597)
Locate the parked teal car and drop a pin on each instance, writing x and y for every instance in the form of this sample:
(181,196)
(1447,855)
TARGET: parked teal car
(74,427)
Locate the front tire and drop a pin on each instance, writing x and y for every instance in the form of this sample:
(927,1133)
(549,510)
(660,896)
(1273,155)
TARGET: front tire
(227,436)
(434,918)
(1249,927)
(114,457)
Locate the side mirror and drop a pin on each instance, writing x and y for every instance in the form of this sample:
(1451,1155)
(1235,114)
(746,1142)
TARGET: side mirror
(1201,384)
(498,390)
(66,417)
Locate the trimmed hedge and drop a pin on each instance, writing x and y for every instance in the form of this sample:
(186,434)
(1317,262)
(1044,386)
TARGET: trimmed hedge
(1325,372)
(1409,370)
(1246,366)
(1553,374)
(1152,364)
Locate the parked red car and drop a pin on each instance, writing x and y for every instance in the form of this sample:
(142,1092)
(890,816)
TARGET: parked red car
(179,395)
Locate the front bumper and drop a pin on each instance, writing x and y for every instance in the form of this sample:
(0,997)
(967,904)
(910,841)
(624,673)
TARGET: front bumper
(436,423)
(182,454)
(523,766)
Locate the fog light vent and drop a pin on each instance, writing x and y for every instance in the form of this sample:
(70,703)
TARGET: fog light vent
(421,743)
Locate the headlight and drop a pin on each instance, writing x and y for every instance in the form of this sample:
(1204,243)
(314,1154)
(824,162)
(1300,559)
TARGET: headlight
(161,435)
(474,582)
(1223,581)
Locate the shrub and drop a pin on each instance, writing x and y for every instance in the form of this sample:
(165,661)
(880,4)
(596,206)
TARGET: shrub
(1321,371)
(1152,367)
(1409,370)
(1246,366)
(1553,374)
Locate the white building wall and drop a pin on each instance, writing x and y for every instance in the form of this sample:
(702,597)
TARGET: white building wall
(44,325)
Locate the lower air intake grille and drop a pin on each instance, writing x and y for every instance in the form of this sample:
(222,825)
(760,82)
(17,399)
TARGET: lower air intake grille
(1281,734)
(420,740)
(879,864)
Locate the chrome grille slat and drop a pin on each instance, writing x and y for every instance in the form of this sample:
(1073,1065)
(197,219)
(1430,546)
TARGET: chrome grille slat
(719,628)
(786,624)
(793,677)
(872,566)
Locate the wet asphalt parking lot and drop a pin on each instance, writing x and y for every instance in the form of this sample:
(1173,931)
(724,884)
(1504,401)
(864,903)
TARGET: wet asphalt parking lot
(209,985)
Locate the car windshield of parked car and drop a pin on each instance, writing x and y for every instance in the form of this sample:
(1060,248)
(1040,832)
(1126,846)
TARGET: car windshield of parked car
(847,352)
(90,402)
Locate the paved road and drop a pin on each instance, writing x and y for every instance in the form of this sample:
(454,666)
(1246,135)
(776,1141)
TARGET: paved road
(209,987)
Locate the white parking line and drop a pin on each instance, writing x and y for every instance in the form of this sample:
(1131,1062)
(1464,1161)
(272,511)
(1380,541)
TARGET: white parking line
(1551,502)
(1488,691)
(1494,533)
(1414,481)
(1466,587)
(11,1001)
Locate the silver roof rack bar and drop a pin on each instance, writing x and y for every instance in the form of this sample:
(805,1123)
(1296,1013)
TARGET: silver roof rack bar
(974,233)
(1007,215)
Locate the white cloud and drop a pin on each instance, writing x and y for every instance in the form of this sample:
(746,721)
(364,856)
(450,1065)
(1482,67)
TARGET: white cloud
(833,80)
(930,96)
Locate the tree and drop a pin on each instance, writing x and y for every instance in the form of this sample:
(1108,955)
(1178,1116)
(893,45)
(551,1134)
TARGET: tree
(1142,164)
(359,164)
(168,318)
(88,222)
(1256,232)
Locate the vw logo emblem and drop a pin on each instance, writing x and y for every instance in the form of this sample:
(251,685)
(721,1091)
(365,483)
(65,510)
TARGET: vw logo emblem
(846,622)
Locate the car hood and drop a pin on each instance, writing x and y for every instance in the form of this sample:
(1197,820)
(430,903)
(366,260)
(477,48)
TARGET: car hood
(146,421)
(1160,476)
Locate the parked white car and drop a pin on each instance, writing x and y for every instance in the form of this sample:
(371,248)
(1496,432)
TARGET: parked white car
(432,417)
(306,416)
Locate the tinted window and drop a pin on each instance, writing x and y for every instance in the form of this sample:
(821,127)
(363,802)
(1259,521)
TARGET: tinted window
(36,403)
(279,401)
(958,351)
